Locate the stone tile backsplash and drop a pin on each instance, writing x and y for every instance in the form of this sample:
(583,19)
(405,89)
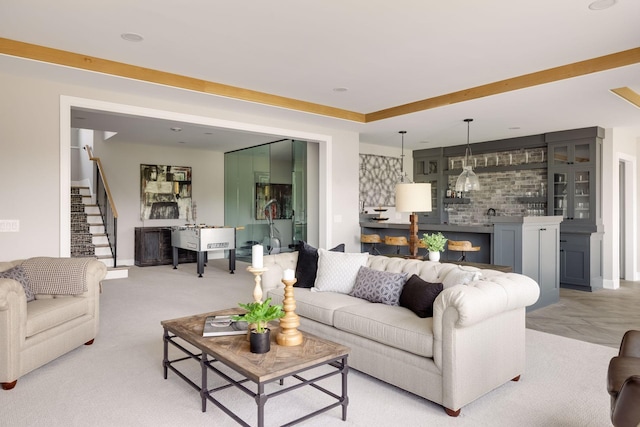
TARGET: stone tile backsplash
(500,191)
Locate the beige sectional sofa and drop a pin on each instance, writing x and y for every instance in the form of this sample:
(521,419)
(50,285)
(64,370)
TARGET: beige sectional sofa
(63,316)
(474,342)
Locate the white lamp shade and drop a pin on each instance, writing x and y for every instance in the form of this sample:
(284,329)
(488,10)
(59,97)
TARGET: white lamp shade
(468,180)
(413,197)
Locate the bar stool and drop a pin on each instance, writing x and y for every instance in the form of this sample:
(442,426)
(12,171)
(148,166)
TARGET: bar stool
(373,240)
(396,241)
(463,246)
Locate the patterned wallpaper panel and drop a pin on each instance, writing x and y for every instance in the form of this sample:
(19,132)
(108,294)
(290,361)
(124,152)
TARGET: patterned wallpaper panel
(378,178)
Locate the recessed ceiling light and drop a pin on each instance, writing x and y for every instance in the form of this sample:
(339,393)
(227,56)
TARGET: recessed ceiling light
(340,89)
(132,37)
(176,129)
(514,128)
(425,142)
(181,142)
(601,4)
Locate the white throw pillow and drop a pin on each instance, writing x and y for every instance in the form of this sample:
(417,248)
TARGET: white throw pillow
(337,271)
(460,276)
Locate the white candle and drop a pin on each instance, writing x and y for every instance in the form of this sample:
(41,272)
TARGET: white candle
(289,274)
(256,256)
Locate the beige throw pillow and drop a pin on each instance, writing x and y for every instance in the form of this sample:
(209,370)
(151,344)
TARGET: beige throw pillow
(337,271)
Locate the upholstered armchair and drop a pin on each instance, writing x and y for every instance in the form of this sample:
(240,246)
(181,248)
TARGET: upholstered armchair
(623,382)
(48,307)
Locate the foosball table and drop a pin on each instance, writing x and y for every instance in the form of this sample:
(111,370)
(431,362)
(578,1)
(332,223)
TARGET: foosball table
(202,239)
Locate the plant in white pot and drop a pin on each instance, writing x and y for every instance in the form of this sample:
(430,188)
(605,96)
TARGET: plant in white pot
(258,315)
(435,244)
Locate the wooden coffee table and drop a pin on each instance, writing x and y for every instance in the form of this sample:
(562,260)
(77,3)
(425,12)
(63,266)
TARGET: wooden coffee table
(260,369)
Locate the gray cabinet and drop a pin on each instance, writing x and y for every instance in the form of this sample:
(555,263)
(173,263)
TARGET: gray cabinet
(531,246)
(429,168)
(580,261)
(574,176)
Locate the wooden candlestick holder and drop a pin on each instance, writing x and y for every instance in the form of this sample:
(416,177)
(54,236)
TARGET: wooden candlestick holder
(289,335)
(257,290)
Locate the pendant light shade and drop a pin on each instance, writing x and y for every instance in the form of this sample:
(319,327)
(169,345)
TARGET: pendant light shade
(468,180)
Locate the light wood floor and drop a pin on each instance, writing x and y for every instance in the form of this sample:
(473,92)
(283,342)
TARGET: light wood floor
(600,317)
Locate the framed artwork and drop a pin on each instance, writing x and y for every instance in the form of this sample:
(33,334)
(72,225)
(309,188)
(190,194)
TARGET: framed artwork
(165,192)
(378,178)
(275,199)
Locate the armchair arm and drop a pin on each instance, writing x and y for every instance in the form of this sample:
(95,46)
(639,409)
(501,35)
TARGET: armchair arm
(626,411)
(630,344)
(11,294)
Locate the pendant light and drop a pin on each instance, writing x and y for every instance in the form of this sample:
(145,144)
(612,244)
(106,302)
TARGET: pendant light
(468,180)
(403,176)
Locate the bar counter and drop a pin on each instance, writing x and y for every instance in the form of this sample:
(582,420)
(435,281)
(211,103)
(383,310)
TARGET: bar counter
(478,234)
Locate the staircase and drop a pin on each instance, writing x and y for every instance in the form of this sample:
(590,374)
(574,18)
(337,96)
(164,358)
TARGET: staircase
(87,232)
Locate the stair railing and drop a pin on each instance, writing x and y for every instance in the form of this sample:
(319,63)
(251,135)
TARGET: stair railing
(106,205)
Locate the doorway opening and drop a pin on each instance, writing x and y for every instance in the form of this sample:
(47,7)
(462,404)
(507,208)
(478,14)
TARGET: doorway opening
(319,221)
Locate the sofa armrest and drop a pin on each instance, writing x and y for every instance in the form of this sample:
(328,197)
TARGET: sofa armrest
(463,306)
(276,265)
(482,299)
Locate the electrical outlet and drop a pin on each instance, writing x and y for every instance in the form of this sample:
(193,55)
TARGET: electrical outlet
(9,225)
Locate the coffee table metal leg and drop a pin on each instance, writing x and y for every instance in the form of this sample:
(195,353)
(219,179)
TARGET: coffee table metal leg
(345,397)
(261,399)
(165,359)
(204,392)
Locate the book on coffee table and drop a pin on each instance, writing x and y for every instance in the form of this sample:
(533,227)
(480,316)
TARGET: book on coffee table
(215,326)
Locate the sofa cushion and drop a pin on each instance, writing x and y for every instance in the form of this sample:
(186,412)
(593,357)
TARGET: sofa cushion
(378,286)
(394,326)
(418,295)
(47,313)
(307,264)
(317,306)
(337,271)
(17,273)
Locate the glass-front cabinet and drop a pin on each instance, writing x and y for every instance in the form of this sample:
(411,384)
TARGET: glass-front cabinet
(429,169)
(572,153)
(571,194)
(573,182)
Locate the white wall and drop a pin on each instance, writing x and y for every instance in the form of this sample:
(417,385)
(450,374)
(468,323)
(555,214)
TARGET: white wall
(122,161)
(32,158)
(620,144)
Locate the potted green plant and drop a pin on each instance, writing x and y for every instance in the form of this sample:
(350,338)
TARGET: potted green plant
(435,244)
(258,315)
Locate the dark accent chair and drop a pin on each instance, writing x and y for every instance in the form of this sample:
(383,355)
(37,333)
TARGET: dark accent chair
(623,382)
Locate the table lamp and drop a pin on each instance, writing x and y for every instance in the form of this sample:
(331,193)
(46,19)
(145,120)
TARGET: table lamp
(413,197)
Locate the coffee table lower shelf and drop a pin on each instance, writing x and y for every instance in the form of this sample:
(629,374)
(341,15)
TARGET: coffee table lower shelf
(208,363)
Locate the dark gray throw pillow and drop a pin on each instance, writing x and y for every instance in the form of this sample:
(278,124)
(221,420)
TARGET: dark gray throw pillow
(378,286)
(307,266)
(17,273)
(418,296)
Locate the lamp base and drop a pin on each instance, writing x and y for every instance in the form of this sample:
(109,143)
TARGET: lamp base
(413,235)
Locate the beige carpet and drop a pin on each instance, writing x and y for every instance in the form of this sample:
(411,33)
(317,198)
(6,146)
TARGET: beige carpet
(118,380)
